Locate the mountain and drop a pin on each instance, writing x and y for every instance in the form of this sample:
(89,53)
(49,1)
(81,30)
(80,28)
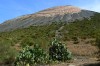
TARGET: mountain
(56,14)
(79,29)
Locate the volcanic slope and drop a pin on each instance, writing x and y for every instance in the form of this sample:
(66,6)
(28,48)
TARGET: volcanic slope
(55,14)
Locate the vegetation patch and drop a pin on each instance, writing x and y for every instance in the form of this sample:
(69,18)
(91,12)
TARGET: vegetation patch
(36,55)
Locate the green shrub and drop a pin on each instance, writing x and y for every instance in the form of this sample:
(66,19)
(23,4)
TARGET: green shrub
(36,55)
(24,57)
(40,55)
(29,56)
(58,52)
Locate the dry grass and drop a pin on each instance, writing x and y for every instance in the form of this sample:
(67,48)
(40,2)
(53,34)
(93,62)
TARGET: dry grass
(82,49)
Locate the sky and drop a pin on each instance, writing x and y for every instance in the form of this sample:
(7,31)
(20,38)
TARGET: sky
(13,8)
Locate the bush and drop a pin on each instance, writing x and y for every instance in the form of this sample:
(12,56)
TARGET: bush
(29,56)
(36,55)
(58,52)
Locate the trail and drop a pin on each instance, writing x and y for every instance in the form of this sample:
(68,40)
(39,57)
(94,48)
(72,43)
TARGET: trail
(58,33)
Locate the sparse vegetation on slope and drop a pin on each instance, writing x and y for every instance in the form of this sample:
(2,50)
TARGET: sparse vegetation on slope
(11,42)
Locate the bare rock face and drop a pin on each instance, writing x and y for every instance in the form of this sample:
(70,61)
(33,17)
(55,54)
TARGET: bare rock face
(47,16)
(61,10)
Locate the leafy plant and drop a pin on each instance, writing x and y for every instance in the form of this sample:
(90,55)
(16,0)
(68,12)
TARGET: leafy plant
(59,52)
(25,57)
(36,55)
(29,56)
(41,56)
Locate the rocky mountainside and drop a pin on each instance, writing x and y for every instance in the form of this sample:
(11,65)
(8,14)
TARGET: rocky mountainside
(47,16)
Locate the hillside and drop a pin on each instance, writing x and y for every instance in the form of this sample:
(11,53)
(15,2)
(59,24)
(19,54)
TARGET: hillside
(79,36)
(14,40)
(47,16)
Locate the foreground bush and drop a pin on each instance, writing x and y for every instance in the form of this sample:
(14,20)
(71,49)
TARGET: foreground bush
(29,56)
(58,51)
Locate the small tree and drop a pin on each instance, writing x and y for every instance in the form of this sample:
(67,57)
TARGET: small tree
(59,52)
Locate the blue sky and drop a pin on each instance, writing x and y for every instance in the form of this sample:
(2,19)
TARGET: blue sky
(13,8)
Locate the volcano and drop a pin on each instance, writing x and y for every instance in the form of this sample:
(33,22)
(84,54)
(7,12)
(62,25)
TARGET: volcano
(55,14)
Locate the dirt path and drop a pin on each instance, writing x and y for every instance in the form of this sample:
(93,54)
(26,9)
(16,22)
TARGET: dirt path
(80,61)
(58,33)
